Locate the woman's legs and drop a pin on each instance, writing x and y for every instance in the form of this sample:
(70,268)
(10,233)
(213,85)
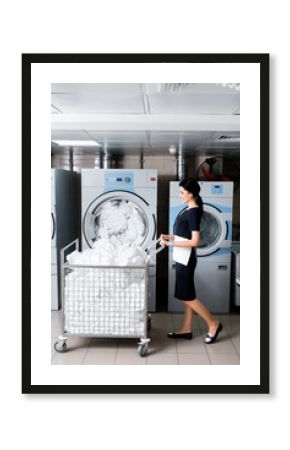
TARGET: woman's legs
(196,306)
(187,320)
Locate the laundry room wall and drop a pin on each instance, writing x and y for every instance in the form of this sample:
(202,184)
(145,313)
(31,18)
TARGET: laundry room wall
(85,160)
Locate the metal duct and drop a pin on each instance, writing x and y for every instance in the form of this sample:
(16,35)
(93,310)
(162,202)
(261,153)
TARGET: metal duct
(142,160)
(98,161)
(71,158)
(106,160)
(114,162)
(180,164)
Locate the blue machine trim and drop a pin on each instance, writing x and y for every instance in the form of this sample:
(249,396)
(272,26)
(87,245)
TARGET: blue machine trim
(221,208)
(220,251)
(230,230)
(115,191)
(125,188)
(174,210)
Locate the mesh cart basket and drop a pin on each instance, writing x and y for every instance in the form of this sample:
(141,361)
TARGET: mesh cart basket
(105,301)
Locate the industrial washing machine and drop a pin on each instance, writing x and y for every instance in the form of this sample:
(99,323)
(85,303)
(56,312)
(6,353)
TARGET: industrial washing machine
(213,271)
(125,199)
(65,222)
(235,273)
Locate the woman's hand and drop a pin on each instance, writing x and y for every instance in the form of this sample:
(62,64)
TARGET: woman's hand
(165,238)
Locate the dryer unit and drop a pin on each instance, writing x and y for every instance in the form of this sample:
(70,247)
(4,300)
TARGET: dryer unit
(105,193)
(54,288)
(65,222)
(235,273)
(213,271)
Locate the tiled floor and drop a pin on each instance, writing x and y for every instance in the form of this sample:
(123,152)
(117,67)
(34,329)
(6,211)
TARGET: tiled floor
(161,349)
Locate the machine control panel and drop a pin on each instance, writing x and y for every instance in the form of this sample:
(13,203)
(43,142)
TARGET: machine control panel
(217,189)
(121,179)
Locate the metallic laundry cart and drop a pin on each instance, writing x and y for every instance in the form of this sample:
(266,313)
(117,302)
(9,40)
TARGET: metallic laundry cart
(105,302)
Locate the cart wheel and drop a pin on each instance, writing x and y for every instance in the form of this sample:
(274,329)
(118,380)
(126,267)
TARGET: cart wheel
(142,349)
(60,347)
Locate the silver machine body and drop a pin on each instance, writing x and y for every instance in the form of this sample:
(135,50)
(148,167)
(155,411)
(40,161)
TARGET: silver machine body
(106,192)
(65,222)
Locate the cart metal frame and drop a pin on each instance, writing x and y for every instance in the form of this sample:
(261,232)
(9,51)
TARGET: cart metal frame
(143,345)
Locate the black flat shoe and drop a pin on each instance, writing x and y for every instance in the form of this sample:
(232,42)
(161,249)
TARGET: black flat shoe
(179,335)
(210,339)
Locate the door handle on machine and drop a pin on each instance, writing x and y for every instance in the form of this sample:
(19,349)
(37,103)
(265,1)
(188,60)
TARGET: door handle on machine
(156,250)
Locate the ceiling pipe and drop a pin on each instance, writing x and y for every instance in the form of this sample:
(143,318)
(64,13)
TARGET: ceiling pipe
(180,164)
(98,161)
(71,158)
(106,159)
(141,160)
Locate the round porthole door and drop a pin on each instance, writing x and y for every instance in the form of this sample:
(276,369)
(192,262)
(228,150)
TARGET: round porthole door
(213,231)
(122,217)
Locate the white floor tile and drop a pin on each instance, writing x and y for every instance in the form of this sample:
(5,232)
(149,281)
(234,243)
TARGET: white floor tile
(233,331)
(130,358)
(196,345)
(162,350)
(128,345)
(73,357)
(104,344)
(98,358)
(224,345)
(162,347)
(236,342)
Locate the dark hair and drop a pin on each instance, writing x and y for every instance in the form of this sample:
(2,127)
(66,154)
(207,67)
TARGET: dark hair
(191,185)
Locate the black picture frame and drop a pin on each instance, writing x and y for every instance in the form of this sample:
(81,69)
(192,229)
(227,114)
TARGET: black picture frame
(263,61)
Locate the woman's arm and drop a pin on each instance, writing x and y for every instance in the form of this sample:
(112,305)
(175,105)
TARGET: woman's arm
(167,236)
(193,242)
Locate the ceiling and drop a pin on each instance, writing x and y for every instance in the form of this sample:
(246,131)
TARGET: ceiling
(130,117)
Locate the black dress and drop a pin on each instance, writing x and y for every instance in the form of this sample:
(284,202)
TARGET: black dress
(186,222)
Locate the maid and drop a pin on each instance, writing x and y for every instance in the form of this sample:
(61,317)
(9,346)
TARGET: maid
(187,225)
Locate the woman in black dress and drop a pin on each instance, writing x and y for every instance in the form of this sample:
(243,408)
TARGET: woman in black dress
(187,225)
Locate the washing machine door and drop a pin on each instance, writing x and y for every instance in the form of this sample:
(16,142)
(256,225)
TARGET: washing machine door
(213,231)
(123,217)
